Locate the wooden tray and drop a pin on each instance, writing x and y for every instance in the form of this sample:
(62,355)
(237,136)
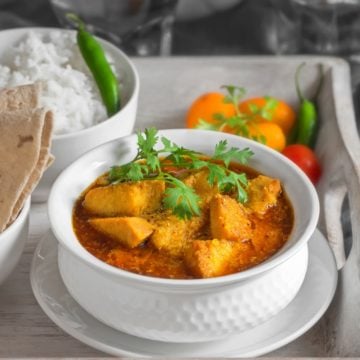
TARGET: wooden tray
(168,86)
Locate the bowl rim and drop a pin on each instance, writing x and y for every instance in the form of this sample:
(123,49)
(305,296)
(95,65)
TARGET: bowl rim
(134,72)
(17,222)
(244,275)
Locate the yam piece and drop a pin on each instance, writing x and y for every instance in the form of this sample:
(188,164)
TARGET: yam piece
(209,258)
(129,231)
(229,219)
(263,193)
(125,199)
(198,181)
(172,234)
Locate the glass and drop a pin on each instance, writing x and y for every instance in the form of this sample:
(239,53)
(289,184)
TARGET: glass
(318,26)
(139,27)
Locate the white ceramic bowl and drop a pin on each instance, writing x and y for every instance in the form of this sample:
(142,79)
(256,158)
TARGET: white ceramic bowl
(68,147)
(12,242)
(182,310)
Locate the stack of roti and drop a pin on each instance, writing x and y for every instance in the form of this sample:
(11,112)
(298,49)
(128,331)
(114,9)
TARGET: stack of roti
(25,139)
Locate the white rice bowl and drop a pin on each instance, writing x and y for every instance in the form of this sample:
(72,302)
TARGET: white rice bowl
(50,55)
(69,89)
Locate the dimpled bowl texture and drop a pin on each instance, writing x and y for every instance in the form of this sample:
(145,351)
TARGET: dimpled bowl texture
(182,310)
(68,147)
(12,241)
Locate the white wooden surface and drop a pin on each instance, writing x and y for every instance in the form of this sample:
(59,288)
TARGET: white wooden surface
(167,88)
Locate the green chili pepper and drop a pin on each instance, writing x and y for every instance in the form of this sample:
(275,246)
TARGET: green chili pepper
(100,68)
(307,123)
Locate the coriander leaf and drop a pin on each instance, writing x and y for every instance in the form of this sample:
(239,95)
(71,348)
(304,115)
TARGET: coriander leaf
(147,140)
(235,93)
(241,178)
(220,147)
(237,120)
(116,173)
(271,103)
(267,111)
(181,199)
(216,173)
(168,145)
(243,156)
(262,139)
(267,115)
(152,160)
(182,157)
(238,123)
(198,163)
(234,180)
(253,108)
(146,151)
(229,155)
(135,171)
(234,154)
(186,153)
(242,195)
(219,117)
(204,125)
(242,130)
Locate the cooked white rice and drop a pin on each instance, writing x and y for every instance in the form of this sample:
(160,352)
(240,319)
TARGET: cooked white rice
(69,88)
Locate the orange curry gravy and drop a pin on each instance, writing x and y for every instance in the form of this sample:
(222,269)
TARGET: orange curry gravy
(269,234)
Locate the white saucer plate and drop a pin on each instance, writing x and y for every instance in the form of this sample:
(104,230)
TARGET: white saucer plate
(312,301)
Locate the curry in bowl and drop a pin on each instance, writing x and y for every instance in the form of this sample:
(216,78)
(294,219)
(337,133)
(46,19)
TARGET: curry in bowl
(183,215)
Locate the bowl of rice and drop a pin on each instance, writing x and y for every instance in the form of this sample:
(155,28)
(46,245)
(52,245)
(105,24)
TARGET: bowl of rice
(51,56)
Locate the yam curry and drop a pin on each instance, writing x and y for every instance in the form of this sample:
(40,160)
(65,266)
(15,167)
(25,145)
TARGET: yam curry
(183,216)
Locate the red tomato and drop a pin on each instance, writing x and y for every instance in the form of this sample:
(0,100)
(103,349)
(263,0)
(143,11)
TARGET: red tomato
(306,159)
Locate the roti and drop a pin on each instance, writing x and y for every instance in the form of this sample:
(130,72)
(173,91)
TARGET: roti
(25,139)
(20,98)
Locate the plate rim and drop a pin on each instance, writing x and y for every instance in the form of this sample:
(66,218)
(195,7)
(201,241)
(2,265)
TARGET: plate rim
(111,350)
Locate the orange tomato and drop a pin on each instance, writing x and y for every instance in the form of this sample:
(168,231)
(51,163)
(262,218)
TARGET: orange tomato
(274,135)
(282,115)
(205,106)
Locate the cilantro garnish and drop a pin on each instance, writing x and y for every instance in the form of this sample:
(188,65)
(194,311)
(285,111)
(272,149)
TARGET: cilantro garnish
(180,198)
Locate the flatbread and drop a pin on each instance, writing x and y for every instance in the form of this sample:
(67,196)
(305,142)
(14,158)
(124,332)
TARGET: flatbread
(21,97)
(44,161)
(25,137)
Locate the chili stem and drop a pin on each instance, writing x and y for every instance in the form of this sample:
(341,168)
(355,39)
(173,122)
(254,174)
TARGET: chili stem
(76,21)
(320,81)
(297,82)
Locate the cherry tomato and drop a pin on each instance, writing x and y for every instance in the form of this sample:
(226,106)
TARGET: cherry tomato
(306,159)
(282,114)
